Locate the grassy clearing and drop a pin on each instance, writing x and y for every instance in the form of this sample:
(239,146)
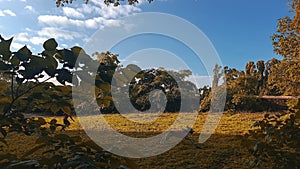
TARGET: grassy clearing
(222,150)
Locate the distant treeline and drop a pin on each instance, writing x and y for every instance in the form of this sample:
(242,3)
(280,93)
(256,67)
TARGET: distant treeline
(246,88)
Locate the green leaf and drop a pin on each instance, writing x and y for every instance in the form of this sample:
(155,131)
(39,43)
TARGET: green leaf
(19,80)
(66,109)
(29,73)
(54,108)
(67,57)
(50,44)
(50,71)
(42,121)
(77,50)
(5,48)
(24,53)
(52,128)
(64,75)
(51,62)
(4,66)
(15,61)
(53,122)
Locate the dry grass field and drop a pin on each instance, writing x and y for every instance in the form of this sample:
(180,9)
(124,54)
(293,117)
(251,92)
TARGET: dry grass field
(222,150)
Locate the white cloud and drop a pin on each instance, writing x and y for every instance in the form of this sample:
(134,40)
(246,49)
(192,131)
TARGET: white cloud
(63,21)
(64,45)
(95,15)
(71,12)
(24,37)
(21,37)
(30,8)
(51,32)
(7,12)
(16,46)
(28,29)
(11,0)
(101,22)
(108,11)
(58,21)
(37,40)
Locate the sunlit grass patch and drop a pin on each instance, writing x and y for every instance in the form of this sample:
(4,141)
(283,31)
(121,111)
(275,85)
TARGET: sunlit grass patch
(221,150)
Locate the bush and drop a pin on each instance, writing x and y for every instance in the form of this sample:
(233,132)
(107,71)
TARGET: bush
(276,139)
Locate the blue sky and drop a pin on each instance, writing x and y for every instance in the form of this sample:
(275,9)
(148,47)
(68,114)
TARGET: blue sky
(239,30)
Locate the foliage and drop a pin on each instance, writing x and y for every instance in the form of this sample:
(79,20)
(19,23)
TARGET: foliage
(275,140)
(285,76)
(246,103)
(164,80)
(110,74)
(207,93)
(25,89)
(205,98)
(27,74)
(294,106)
(242,86)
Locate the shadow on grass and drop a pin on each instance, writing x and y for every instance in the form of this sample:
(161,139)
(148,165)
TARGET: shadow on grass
(220,151)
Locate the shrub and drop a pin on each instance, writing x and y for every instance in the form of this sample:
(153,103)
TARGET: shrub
(276,139)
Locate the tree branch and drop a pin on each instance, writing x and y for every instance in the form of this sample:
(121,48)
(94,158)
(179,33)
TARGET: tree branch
(25,92)
(12,84)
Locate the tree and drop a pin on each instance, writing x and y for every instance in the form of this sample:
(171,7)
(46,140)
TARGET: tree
(27,71)
(286,75)
(214,93)
(271,87)
(275,139)
(24,86)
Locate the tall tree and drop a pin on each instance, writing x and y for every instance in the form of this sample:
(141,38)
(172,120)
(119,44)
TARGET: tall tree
(286,75)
